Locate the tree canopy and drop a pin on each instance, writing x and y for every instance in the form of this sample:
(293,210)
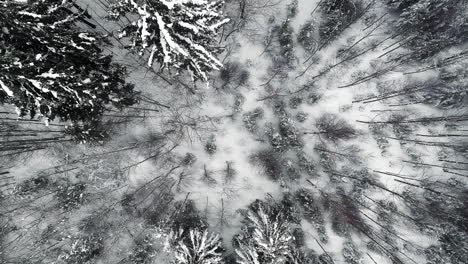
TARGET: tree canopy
(177,34)
(50,67)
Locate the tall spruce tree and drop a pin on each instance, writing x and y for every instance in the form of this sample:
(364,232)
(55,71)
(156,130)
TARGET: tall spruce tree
(51,67)
(179,34)
(266,236)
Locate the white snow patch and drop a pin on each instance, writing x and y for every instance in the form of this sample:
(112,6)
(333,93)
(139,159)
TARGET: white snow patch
(29,14)
(6,89)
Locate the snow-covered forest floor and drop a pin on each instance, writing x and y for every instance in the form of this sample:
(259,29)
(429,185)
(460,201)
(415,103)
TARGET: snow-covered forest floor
(341,136)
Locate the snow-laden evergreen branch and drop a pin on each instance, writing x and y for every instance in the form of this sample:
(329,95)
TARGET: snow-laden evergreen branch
(267,241)
(49,67)
(197,246)
(178,34)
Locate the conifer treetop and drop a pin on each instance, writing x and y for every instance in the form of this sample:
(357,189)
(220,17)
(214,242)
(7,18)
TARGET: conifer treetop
(51,68)
(179,34)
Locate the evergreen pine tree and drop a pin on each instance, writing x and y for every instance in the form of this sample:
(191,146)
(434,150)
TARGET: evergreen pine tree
(50,67)
(178,34)
(266,236)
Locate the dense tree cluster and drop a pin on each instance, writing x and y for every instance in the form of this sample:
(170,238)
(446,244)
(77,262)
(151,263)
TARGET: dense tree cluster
(451,90)
(338,14)
(431,26)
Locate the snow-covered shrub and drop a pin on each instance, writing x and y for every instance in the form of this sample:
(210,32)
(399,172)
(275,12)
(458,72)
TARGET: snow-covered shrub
(176,34)
(210,145)
(295,101)
(326,160)
(289,132)
(250,119)
(290,170)
(33,185)
(71,196)
(366,179)
(400,128)
(301,116)
(233,74)
(153,245)
(279,106)
(387,211)
(335,128)
(305,164)
(308,36)
(285,56)
(379,134)
(277,141)
(84,249)
(285,136)
(239,100)
(270,162)
(144,250)
(189,159)
(311,210)
(451,91)
(127,203)
(325,259)
(350,253)
(53,69)
(93,223)
(312,98)
(292,9)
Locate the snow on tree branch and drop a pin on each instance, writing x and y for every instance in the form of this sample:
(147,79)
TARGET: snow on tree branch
(178,34)
(267,238)
(52,68)
(197,247)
